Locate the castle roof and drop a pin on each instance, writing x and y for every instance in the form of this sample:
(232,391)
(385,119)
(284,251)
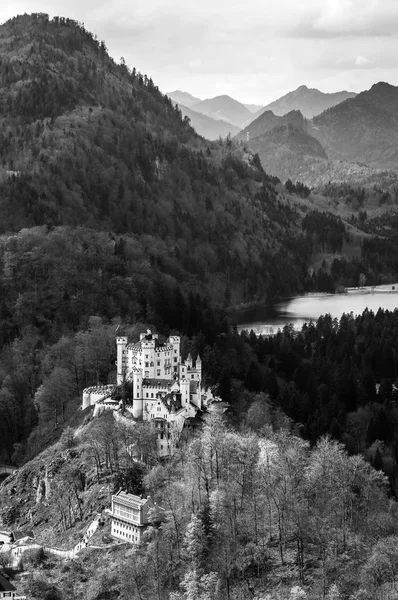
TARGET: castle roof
(160,383)
(138,345)
(171,401)
(5,585)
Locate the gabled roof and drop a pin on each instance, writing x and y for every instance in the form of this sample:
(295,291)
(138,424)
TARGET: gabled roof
(5,585)
(172,401)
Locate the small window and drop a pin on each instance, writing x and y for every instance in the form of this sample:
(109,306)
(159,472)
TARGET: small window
(159,408)
(147,395)
(192,376)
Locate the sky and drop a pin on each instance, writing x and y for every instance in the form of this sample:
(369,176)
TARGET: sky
(252,50)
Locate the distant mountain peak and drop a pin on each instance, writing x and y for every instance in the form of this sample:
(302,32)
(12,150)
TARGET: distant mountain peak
(309,101)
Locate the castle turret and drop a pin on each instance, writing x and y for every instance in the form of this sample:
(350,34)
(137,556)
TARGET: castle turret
(185,392)
(121,363)
(188,362)
(198,366)
(138,401)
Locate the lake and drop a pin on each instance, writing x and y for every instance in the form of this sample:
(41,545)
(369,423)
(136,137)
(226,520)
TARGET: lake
(302,309)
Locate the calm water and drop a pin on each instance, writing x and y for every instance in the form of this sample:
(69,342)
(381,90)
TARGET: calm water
(298,311)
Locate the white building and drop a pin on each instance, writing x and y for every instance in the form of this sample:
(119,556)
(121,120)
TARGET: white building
(165,390)
(129,516)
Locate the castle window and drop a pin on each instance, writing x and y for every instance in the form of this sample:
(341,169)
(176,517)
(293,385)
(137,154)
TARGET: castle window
(192,376)
(175,359)
(159,408)
(158,372)
(158,363)
(147,395)
(151,394)
(147,364)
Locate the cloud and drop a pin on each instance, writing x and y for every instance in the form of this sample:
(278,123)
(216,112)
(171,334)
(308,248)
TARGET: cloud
(255,51)
(361,61)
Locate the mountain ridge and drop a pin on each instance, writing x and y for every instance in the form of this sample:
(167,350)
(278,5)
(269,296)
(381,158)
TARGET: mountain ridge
(310,101)
(224,107)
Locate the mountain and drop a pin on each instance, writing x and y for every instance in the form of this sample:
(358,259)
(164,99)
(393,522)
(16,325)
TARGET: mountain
(254,108)
(183,98)
(286,150)
(362,129)
(209,128)
(308,101)
(268,120)
(283,144)
(225,108)
(353,139)
(93,145)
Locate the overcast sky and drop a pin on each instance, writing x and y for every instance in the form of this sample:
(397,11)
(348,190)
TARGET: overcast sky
(253,50)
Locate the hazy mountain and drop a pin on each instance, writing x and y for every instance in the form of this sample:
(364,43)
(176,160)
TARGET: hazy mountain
(209,128)
(254,108)
(308,101)
(183,98)
(362,129)
(225,108)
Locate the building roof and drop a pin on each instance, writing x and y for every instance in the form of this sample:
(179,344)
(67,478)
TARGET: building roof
(152,382)
(5,585)
(171,401)
(19,535)
(122,495)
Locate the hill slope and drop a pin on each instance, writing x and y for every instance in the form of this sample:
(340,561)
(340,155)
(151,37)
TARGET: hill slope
(89,143)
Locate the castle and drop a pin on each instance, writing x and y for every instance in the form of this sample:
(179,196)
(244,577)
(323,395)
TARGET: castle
(165,390)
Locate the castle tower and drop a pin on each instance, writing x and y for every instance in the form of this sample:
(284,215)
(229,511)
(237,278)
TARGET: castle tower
(138,400)
(185,392)
(188,362)
(121,363)
(198,366)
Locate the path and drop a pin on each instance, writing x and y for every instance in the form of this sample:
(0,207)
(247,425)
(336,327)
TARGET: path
(18,551)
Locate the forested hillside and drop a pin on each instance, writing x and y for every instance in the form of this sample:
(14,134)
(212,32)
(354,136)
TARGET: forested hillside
(112,206)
